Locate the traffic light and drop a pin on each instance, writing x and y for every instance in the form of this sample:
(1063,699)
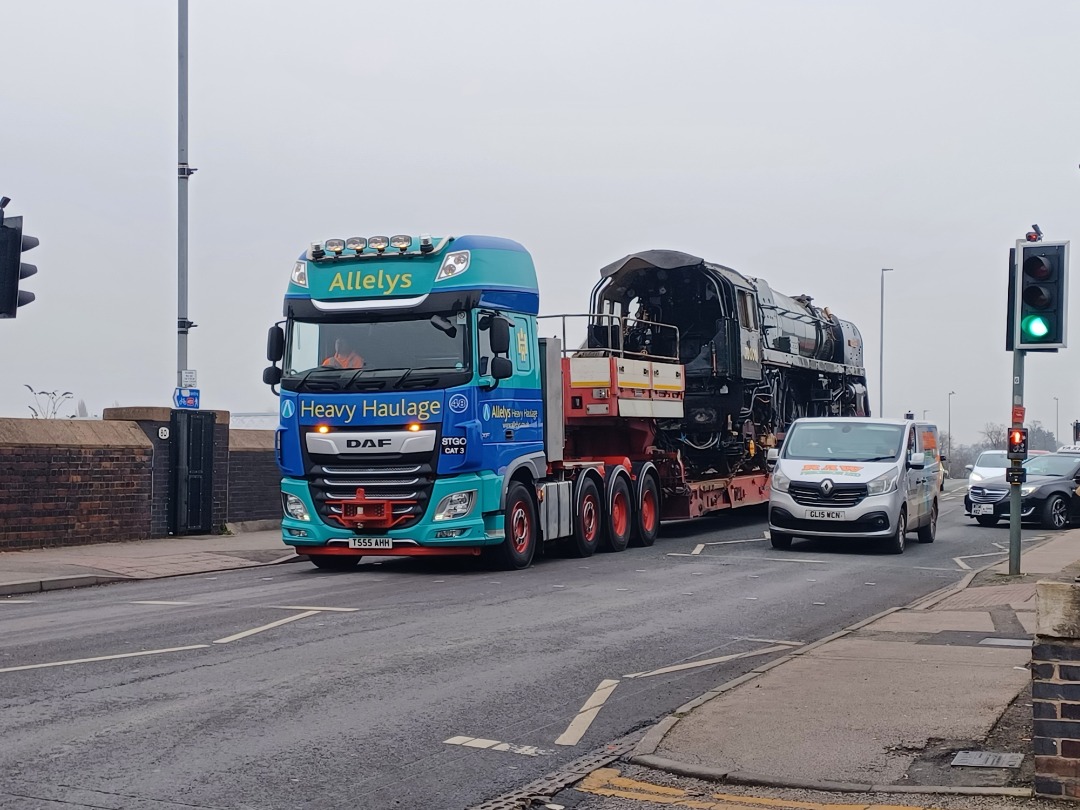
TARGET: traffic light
(1018,439)
(13,243)
(1041,296)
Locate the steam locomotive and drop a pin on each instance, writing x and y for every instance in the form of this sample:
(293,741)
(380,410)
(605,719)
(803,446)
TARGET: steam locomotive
(754,359)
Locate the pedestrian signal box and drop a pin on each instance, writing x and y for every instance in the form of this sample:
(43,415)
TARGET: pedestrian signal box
(1018,443)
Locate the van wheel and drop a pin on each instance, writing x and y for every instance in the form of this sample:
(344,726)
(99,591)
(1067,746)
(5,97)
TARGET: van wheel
(587,521)
(895,544)
(928,532)
(619,521)
(647,514)
(519,527)
(987,520)
(780,539)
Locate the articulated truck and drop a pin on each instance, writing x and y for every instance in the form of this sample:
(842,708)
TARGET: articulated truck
(428,409)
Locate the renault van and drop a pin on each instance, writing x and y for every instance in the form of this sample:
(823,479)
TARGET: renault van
(870,479)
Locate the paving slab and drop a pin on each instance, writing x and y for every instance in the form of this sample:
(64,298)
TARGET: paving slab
(933,621)
(988,595)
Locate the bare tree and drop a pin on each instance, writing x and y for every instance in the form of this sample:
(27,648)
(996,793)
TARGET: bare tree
(47,404)
(994,436)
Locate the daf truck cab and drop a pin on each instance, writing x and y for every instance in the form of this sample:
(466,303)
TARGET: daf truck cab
(867,479)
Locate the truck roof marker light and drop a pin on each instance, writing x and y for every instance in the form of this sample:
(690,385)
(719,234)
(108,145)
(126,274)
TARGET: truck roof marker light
(453,265)
(299,274)
(317,251)
(425,243)
(357,243)
(323,428)
(414,427)
(379,243)
(335,246)
(402,242)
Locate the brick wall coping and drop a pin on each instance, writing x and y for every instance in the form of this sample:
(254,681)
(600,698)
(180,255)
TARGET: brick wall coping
(241,440)
(70,433)
(151,414)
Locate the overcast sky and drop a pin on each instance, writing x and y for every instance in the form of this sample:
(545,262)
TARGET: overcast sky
(806,143)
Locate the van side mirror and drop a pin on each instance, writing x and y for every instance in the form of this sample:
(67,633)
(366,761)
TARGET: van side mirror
(275,344)
(501,368)
(969,467)
(772,455)
(499,339)
(916,461)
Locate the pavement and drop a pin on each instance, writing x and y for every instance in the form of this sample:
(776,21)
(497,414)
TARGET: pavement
(882,706)
(80,566)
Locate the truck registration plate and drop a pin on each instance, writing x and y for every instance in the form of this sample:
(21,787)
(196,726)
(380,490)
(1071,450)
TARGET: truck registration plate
(982,509)
(371,542)
(826,514)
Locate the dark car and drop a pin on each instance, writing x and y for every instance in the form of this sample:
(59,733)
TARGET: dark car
(1049,496)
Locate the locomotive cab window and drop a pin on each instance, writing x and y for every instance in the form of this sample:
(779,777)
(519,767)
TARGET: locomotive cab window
(747,311)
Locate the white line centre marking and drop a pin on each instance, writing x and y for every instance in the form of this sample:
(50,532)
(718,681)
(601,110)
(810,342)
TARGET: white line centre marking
(16,601)
(587,713)
(791,559)
(103,658)
(306,607)
(270,626)
(156,602)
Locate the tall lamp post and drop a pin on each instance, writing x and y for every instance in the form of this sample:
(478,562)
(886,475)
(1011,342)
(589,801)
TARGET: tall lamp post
(948,454)
(1057,421)
(881,357)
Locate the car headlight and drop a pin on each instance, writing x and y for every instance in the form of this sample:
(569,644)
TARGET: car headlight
(975,477)
(455,505)
(295,507)
(883,483)
(1027,490)
(780,481)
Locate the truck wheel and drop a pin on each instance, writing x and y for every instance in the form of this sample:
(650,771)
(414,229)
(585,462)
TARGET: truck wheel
(334,562)
(647,514)
(1055,514)
(620,520)
(895,544)
(987,520)
(519,526)
(779,539)
(928,532)
(587,521)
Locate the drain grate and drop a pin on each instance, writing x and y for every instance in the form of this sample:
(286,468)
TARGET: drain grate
(547,786)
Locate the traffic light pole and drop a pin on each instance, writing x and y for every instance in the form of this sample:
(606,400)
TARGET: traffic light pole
(1017,465)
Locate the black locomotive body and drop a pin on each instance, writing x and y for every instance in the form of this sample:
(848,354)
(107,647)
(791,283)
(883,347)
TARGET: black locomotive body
(754,359)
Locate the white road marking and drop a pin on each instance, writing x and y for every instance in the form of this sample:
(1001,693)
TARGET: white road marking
(495,745)
(698,549)
(16,601)
(270,626)
(928,568)
(1001,546)
(733,542)
(103,658)
(587,713)
(960,560)
(771,641)
(820,604)
(709,661)
(155,602)
(791,559)
(751,598)
(305,607)
(622,589)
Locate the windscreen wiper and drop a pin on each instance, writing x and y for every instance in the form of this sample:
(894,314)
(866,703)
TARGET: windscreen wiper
(405,376)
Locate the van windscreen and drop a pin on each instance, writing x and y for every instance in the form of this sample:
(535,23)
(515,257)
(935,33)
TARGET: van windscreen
(844,441)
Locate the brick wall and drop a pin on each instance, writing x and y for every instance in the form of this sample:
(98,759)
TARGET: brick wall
(69,483)
(1055,689)
(254,477)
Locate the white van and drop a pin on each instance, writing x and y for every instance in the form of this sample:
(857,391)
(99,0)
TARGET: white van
(855,477)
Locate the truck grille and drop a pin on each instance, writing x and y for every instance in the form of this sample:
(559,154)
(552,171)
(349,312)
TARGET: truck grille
(985,495)
(406,478)
(843,495)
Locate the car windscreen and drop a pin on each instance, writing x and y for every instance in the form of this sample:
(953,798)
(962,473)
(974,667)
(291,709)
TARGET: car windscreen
(1064,466)
(992,458)
(844,441)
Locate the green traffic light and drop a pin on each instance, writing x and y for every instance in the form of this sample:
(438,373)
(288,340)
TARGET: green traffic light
(1035,327)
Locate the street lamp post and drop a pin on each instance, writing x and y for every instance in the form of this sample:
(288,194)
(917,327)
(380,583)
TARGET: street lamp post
(881,357)
(1057,421)
(948,455)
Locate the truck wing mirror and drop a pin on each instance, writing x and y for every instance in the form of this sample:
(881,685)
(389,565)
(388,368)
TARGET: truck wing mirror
(501,368)
(499,339)
(272,375)
(275,344)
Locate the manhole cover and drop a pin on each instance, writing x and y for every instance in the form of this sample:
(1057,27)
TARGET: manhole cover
(987,759)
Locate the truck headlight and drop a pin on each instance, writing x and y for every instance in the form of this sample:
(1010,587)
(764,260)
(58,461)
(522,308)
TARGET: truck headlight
(295,508)
(455,505)
(780,482)
(883,483)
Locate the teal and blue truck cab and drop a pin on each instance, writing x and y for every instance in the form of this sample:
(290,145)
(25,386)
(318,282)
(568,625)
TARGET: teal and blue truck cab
(410,398)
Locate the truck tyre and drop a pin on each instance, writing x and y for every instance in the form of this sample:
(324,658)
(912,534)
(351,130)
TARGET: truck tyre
(895,544)
(647,514)
(987,520)
(928,532)
(519,527)
(335,562)
(780,540)
(620,518)
(1055,513)
(588,520)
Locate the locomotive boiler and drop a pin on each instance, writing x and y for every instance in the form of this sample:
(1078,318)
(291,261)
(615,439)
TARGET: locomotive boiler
(754,359)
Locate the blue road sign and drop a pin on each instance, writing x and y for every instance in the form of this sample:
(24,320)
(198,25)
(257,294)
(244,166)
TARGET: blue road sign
(186,397)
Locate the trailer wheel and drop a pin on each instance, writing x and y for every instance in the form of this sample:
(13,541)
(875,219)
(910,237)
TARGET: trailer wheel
(647,514)
(620,519)
(588,520)
(519,527)
(334,562)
